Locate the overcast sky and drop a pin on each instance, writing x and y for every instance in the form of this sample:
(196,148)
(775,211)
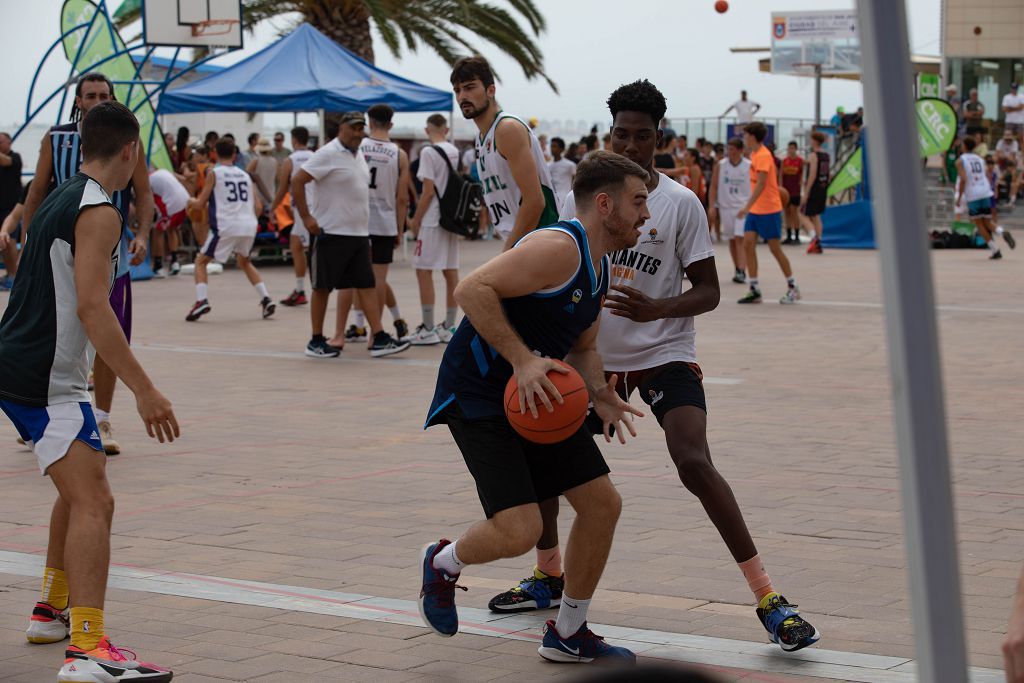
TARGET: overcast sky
(590,47)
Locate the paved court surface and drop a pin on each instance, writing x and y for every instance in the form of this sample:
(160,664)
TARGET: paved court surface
(278,539)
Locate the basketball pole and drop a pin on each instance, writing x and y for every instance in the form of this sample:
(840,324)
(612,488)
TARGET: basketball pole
(914,360)
(817,95)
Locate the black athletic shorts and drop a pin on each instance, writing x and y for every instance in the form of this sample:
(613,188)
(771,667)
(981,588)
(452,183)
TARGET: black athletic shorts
(382,249)
(794,199)
(665,387)
(340,262)
(816,201)
(511,471)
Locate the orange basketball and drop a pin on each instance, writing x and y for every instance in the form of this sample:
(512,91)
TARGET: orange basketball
(721,6)
(563,421)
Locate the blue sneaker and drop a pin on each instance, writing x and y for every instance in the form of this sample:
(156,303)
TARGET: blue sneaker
(539,591)
(582,647)
(6,283)
(437,596)
(784,623)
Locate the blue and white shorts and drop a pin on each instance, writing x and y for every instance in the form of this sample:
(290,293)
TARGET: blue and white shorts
(50,431)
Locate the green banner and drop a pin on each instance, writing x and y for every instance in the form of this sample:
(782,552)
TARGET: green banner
(936,128)
(927,84)
(101,42)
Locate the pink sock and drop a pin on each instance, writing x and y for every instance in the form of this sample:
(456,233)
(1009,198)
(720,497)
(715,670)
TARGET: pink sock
(550,561)
(757,578)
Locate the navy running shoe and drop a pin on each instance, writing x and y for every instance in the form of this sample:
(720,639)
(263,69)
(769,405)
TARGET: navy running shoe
(539,591)
(784,623)
(437,595)
(582,647)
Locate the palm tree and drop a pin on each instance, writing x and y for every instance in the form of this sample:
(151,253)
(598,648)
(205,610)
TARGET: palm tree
(405,24)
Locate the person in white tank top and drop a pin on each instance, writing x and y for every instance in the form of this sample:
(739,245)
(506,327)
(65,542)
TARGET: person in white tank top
(233,208)
(389,208)
(730,190)
(518,193)
(647,336)
(975,188)
(298,241)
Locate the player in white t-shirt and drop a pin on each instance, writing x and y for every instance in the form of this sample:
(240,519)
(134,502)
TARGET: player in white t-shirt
(233,208)
(745,109)
(562,171)
(647,337)
(730,190)
(1013,108)
(171,200)
(975,188)
(298,240)
(436,248)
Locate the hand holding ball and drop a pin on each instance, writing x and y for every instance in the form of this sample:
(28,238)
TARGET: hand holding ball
(564,417)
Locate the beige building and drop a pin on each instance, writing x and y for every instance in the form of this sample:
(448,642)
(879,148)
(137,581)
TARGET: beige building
(983,48)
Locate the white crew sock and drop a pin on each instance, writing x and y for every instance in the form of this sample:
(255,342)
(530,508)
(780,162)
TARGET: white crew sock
(101,415)
(300,284)
(450,315)
(754,284)
(999,230)
(360,318)
(571,615)
(395,312)
(447,561)
(261,289)
(993,246)
(201,291)
(428,316)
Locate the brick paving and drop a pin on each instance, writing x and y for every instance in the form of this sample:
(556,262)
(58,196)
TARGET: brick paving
(316,474)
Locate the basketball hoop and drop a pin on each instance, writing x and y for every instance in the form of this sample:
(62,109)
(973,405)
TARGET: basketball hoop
(214,27)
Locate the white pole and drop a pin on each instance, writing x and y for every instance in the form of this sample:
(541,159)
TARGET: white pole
(323,127)
(897,187)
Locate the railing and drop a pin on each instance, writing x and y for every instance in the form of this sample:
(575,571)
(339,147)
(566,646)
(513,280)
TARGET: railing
(714,129)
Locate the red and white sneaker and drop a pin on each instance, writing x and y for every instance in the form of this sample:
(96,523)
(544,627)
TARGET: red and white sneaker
(47,625)
(107,664)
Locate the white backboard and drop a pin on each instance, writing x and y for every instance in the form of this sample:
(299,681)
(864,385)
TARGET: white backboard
(826,37)
(180,23)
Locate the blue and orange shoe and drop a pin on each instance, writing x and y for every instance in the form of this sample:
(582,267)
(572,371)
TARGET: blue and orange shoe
(106,664)
(784,623)
(581,647)
(437,594)
(47,625)
(539,591)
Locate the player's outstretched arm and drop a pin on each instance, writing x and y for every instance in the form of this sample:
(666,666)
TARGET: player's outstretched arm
(513,141)
(97,232)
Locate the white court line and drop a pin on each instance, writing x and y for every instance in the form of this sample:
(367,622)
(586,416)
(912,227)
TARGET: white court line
(952,308)
(735,654)
(421,362)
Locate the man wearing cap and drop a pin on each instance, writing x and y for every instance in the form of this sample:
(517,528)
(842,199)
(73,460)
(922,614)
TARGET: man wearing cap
(340,223)
(953,98)
(1013,107)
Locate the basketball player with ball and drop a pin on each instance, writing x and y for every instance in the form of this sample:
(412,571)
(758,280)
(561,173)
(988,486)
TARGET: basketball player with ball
(648,339)
(534,305)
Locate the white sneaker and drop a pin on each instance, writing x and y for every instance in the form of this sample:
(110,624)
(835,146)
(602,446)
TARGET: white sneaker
(443,333)
(175,268)
(791,296)
(110,446)
(423,336)
(159,273)
(47,625)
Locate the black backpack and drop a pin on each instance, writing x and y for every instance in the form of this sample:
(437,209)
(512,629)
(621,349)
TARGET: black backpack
(462,201)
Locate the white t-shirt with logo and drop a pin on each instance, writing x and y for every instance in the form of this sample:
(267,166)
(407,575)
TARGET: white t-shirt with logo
(231,202)
(675,236)
(342,190)
(1011,100)
(172,194)
(744,110)
(382,158)
(733,184)
(433,168)
(562,173)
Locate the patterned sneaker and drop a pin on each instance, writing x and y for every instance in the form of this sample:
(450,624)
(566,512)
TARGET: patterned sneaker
(199,309)
(355,334)
(791,296)
(175,268)
(319,348)
(47,625)
(110,446)
(423,336)
(740,277)
(784,623)
(582,647)
(437,594)
(539,591)
(401,329)
(443,333)
(296,298)
(267,307)
(753,296)
(386,345)
(106,664)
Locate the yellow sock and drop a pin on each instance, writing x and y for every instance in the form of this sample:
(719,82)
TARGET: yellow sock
(55,588)
(86,627)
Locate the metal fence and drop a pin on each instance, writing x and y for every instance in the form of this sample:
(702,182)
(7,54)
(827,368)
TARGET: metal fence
(715,129)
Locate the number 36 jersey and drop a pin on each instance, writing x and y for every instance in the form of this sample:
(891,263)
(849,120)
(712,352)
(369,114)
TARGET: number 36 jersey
(231,203)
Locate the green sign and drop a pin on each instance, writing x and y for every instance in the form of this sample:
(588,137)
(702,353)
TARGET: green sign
(936,128)
(102,41)
(927,85)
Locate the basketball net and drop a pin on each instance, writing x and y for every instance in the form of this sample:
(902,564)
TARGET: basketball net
(805,72)
(214,27)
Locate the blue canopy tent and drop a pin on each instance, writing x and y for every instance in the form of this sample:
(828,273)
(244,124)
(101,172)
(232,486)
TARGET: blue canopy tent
(304,71)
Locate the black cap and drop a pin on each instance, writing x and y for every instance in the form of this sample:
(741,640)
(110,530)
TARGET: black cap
(353,117)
